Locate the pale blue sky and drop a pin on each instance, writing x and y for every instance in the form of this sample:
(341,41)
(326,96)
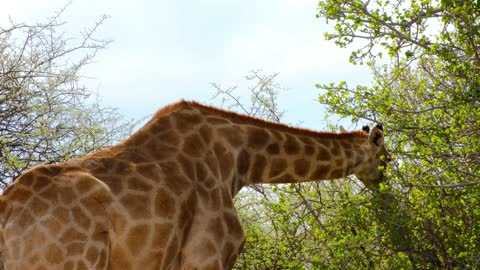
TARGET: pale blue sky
(167,50)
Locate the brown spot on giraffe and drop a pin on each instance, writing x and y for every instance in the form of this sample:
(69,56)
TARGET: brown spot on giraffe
(21,195)
(273,149)
(337,173)
(257,137)
(320,172)
(115,183)
(178,184)
(164,204)
(258,167)
(291,145)
(309,150)
(193,146)
(163,198)
(243,162)
(302,167)
(323,154)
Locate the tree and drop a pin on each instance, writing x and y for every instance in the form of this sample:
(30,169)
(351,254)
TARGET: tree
(425,59)
(263,96)
(46,115)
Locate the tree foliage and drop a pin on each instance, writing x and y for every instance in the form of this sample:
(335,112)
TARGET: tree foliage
(427,92)
(46,115)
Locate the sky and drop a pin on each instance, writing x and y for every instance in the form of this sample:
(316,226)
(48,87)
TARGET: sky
(163,51)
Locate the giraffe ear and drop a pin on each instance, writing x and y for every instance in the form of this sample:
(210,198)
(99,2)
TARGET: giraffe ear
(342,130)
(376,137)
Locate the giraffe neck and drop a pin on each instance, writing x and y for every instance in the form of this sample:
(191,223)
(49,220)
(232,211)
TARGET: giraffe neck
(240,150)
(272,155)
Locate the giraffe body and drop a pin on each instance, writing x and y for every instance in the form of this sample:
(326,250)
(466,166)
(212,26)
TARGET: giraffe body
(163,199)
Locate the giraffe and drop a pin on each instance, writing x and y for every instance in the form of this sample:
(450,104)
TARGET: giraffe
(162,199)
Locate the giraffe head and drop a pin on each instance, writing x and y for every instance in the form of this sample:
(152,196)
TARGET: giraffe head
(371,171)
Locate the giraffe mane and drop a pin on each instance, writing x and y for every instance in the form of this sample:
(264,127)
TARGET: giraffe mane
(246,119)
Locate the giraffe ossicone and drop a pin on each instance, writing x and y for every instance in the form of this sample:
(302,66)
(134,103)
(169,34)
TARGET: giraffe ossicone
(162,199)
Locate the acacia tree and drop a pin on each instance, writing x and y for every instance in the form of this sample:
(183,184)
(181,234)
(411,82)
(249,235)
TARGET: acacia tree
(46,114)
